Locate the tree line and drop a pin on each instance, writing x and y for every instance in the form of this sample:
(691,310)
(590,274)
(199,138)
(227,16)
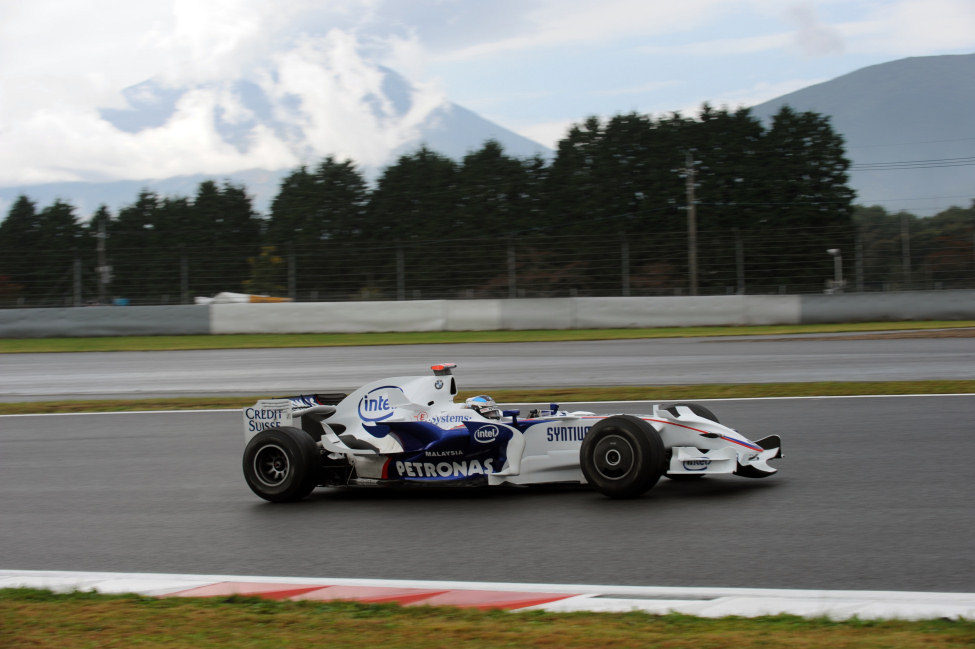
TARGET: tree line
(612,203)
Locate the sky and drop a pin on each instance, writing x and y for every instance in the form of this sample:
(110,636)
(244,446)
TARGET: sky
(532,66)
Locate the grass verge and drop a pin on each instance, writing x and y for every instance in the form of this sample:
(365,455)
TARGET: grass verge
(253,341)
(31,618)
(614,393)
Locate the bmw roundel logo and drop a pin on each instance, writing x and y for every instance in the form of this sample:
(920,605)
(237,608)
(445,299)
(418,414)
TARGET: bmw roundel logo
(438,384)
(486,434)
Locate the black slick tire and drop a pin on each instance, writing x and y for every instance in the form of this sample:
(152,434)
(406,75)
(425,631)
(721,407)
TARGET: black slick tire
(696,408)
(622,456)
(281,464)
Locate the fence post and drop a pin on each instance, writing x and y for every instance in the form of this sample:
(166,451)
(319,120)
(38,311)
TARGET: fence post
(858,264)
(400,274)
(625,265)
(292,270)
(184,277)
(77,280)
(905,250)
(739,262)
(512,276)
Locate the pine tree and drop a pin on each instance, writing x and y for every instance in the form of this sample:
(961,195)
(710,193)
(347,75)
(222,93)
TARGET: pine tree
(811,205)
(314,219)
(18,240)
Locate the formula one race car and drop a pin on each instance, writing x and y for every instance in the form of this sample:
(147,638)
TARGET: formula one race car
(407,430)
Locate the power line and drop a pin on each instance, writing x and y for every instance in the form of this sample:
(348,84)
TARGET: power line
(874,146)
(933,163)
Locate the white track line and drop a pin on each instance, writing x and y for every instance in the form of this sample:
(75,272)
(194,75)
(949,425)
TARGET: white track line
(846,396)
(704,602)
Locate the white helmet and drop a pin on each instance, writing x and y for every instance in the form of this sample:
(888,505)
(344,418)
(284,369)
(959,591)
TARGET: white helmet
(484,405)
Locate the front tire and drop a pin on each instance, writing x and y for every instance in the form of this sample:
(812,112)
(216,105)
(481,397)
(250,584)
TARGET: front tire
(281,464)
(622,456)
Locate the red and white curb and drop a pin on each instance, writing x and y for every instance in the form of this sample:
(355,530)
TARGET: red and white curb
(703,602)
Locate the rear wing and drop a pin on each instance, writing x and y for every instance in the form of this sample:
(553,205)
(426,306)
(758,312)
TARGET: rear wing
(275,413)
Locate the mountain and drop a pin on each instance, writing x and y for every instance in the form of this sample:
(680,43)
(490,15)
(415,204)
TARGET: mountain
(908,127)
(377,123)
(915,115)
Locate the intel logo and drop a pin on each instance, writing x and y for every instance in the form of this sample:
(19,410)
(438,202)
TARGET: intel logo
(375,404)
(696,465)
(486,434)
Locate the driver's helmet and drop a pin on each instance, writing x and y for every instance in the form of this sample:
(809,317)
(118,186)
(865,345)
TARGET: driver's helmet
(484,405)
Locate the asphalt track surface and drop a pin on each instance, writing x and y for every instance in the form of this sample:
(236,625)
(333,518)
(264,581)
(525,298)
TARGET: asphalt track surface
(874,493)
(483,366)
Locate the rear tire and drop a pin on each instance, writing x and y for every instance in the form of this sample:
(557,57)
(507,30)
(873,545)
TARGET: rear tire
(282,464)
(622,456)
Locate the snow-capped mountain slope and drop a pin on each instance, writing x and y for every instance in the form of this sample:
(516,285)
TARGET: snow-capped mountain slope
(253,131)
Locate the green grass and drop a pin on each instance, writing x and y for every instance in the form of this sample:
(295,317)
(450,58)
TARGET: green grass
(40,619)
(616,393)
(249,341)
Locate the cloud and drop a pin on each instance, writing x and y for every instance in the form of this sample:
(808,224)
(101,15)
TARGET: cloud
(552,23)
(724,46)
(813,37)
(638,90)
(341,106)
(322,97)
(547,133)
(62,63)
(914,28)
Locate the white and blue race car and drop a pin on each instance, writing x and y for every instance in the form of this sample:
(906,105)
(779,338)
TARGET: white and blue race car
(407,430)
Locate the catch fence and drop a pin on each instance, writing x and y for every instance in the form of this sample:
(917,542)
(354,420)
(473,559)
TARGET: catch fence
(774,261)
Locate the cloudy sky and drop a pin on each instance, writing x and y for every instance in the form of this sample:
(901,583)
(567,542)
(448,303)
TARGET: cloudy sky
(533,66)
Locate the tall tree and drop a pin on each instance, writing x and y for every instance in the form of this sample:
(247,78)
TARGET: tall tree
(415,199)
(411,212)
(223,233)
(314,218)
(810,204)
(495,193)
(59,245)
(18,239)
(730,174)
(141,259)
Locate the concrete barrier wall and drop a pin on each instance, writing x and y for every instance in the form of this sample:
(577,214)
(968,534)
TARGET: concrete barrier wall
(328,317)
(867,307)
(473,315)
(104,321)
(487,315)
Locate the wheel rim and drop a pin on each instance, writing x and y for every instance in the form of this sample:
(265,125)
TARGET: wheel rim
(271,465)
(613,457)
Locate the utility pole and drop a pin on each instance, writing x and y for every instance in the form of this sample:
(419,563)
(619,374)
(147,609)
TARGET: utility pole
(104,270)
(691,222)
